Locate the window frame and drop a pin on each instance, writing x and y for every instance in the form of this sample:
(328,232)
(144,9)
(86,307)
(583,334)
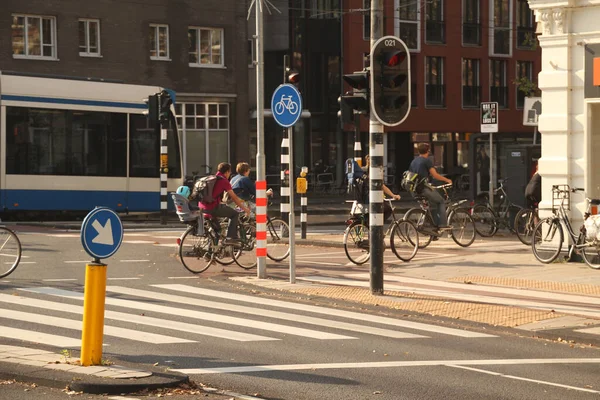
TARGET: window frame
(441,20)
(158,57)
(198,64)
(88,53)
(476,71)
(416,22)
(440,67)
(503,80)
(529,26)
(53,38)
(518,75)
(508,28)
(476,22)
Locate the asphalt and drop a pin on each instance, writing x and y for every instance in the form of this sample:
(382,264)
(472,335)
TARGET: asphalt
(495,282)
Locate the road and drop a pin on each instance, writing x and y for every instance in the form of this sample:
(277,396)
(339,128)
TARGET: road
(273,344)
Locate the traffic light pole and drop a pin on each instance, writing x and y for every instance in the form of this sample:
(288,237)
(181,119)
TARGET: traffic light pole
(286,164)
(376,172)
(164,169)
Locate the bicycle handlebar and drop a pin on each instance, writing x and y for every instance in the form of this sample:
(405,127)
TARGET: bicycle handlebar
(444,186)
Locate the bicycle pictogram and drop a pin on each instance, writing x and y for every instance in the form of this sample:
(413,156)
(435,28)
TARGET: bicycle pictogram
(286,103)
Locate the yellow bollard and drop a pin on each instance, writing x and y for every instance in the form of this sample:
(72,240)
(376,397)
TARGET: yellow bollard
(94,297)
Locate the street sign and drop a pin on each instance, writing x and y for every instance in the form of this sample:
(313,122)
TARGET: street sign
(532,108)
(286,105)
(489,117)
(101,233)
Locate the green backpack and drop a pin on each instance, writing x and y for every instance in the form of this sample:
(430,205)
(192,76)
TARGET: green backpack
(411,182)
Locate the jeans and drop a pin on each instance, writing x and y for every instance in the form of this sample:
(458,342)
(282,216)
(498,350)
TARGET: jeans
(222,210)
(438,207)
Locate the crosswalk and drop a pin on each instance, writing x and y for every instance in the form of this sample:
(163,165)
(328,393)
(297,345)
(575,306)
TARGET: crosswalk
(176,314)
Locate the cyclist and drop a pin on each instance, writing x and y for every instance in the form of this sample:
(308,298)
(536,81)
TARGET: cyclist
(533,191)
(242,185)
(423,166)
(387,210)
(218,209)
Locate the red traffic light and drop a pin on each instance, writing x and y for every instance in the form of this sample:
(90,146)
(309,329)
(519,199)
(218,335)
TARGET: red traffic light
(394,58)
(294,77)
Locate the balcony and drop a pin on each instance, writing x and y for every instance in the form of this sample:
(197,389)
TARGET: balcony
(471,34)
(435,95)
(435,31)
(471,96)
(526,39)
(499,94)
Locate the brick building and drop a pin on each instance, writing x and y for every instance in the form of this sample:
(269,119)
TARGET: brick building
(462,53)
(198,49)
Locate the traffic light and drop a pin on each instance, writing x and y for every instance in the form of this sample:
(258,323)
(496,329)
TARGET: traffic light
(165,106)
(390,80)
(356,101)
(152,104)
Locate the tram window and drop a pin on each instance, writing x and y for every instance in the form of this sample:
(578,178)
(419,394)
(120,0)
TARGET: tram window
(65,142)
(145,150)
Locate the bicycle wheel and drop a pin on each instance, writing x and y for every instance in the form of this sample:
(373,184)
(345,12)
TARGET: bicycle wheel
(404,240)
(545,243)
(524,225)
(463,227)
(225,254)
(195,252)
(424,224)
(591,254)
(356,243)
(245,256)
(485,220)
(278,239)
(10,251)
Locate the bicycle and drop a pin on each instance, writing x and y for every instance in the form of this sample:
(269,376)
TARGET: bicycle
(286,102)
(525,222)
(203,242)
(461,225)
(489,219)
(404,238)
(278,234)
(10,251)
(546,246)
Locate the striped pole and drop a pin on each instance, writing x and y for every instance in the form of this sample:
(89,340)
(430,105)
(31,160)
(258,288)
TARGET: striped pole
(285,182)
(357,146)
(261,220)
(164,166)
(303,210)
(376,206)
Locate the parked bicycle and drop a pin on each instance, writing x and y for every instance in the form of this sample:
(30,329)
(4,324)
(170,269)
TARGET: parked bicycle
(489,219)
(404,238)
(460,223)
(548,234)
(525,222)
(10,251)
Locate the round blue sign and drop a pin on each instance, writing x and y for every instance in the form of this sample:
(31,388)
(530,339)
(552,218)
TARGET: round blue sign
(101,233)
(286,105)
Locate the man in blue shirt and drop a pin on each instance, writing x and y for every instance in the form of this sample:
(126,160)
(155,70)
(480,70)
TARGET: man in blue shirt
(423,166)
(242,185)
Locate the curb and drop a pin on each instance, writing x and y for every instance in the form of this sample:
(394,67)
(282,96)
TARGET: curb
(103,387)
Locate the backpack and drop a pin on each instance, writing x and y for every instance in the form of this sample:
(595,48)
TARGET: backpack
(203,189)
(411,182)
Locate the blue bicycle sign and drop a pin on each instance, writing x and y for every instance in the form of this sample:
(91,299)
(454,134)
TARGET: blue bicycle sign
(286,105)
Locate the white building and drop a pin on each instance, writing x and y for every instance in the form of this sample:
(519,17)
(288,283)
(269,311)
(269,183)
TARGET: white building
(569,36)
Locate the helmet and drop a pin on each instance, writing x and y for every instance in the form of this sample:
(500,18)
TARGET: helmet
(184,191)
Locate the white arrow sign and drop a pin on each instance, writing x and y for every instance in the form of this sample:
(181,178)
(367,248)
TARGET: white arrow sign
(105,235)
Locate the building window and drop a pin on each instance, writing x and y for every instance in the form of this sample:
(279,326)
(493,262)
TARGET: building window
(89,37)
(471,96)
(526,38)
(434,82)
(34,36)
(435,27)
(498,86)
(205,128)
(205,47)
(409,25)
(471,27)
(500,27)
(524,74)
(159,42)
(367,19)
(325,9)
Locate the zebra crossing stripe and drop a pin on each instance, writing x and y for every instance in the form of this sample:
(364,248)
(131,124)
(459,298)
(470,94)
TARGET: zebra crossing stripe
(270,313)
(77,325)
(248,323)
(39,337)
(371,319)
(137,319)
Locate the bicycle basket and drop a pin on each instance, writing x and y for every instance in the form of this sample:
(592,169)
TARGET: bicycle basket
(561,194)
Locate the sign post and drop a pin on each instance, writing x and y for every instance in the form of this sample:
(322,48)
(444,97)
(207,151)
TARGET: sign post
(286,105)
(101,237)
(489,124)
